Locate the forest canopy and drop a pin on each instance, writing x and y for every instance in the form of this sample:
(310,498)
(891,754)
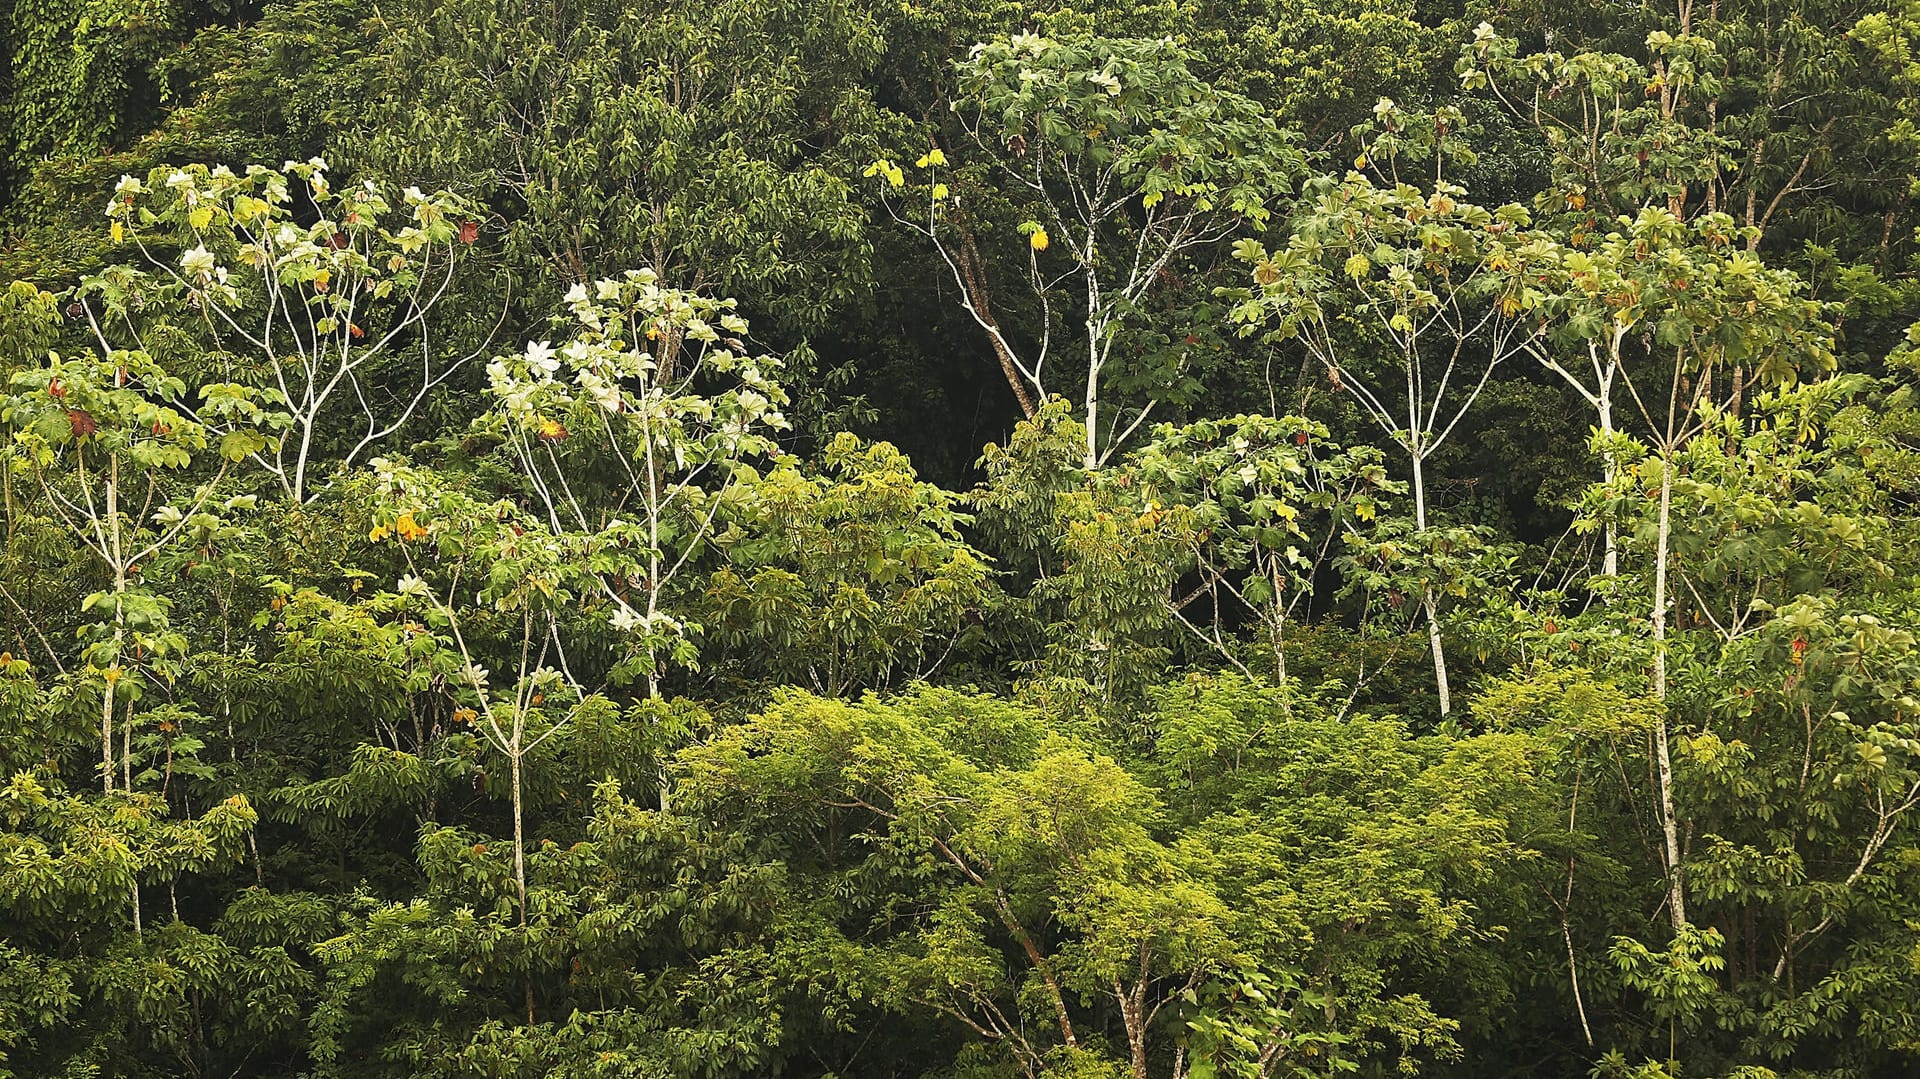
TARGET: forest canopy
(1285,538)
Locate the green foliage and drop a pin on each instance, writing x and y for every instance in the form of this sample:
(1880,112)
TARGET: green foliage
(1082,133)
(437,638)
(653,389)
(709,143)
(849,579)
(1270,504)
(306,312)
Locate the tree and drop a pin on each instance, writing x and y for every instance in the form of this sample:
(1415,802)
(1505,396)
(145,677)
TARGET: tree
(630,436)
(1255,485)
(847,579)
(708,143)
(1764,114)
(81,79)
(319,314)
(1395,292)
(1720,310)
(1126,160)
(1100,556)
(1889,37)
(1622,298)
(1049,920)
(102,435)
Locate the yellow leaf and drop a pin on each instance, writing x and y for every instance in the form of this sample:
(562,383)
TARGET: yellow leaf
(407,528)
(118,231)
(939,191)
(1038,241)
(200,216)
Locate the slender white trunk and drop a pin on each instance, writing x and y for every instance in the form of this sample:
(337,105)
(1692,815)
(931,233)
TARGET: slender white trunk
(126,751)
(520,845)
(1092,398)
(1093,412)
(1096,330)
(1426,593)
(119,638)
(1669,824)
(1611,564)
(106,729)
(1279,624)
(653,603)
(300,465)
(1439,654)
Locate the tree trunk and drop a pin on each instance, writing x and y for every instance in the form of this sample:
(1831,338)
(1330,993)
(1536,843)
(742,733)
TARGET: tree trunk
(973,278)
(1133,1017)
(119,635)
(1669,825)
(1610,565)
(299,488)
(1039,961)
(520,853)
(126,751)
(1426,594)
(519,833)
(1439,654)
(654,584)
(1096,331)
(106,734)
(1278,623)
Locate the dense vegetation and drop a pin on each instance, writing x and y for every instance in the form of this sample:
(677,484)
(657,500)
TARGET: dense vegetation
(757,538)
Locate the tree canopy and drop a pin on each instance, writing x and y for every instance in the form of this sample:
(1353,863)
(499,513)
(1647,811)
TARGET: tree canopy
(1087,539)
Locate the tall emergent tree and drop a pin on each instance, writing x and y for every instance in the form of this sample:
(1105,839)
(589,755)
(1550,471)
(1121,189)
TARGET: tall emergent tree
(1410,301)
(1125,165)
(334,315)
